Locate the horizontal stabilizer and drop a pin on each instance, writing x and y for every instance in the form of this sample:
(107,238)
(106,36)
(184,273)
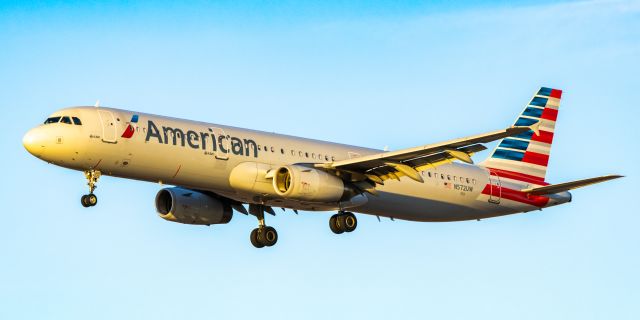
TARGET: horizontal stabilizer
(560,187)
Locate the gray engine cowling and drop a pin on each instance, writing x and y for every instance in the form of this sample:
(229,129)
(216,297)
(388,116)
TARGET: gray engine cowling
(191,207)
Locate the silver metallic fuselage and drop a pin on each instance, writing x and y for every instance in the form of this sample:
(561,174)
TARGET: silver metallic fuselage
(182,153)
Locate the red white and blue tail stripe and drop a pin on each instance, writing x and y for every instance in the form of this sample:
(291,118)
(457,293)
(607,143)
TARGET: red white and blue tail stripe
(525,157)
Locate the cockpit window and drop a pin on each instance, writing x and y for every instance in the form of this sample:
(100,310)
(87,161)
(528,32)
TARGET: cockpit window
(52,120)
(66,120)
(76,121)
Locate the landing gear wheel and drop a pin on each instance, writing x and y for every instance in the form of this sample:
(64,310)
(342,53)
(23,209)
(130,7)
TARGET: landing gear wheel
(268,236)
(254,239)
(350,222)
(263,235)
(89,200)
(92,200)
(334,224)
(84,202)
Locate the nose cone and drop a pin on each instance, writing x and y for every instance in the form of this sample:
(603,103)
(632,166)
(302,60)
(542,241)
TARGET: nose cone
(34,141)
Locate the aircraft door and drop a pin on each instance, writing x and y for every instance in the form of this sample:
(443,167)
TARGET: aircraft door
(495,188)
(108,123)
(223,143)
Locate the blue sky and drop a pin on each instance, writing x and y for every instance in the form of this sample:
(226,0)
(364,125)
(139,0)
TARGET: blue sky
(396,74)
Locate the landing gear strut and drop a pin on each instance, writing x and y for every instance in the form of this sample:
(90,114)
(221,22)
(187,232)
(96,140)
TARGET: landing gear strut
(90,200)
(343,222)
(263,235)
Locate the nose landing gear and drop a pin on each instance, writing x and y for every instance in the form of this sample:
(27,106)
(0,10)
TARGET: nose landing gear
(90,200)
(343,222)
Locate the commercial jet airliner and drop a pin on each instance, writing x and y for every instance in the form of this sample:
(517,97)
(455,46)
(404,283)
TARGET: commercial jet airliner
(216,169)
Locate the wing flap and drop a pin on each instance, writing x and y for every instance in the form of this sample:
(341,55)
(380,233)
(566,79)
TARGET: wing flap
(566,186)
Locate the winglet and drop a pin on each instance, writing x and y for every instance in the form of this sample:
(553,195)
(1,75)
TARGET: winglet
(536,128)
(97,105)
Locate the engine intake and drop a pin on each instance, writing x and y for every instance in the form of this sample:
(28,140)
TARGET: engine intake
(307,184)
(191,207)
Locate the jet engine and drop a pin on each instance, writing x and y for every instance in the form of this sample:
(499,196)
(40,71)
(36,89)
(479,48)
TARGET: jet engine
(191,207)
(307,184)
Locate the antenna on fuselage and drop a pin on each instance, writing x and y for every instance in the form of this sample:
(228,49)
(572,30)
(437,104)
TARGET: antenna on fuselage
(97,105)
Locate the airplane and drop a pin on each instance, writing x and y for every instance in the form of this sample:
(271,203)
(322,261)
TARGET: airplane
(216,169)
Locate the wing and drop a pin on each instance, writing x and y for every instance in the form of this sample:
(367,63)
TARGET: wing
(555,188)
(408,162)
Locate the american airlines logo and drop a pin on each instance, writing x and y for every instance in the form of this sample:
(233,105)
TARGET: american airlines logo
(130,130)
(207,141)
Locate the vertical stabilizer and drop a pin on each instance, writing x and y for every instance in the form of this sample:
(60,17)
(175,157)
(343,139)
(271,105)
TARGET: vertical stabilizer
(525,156)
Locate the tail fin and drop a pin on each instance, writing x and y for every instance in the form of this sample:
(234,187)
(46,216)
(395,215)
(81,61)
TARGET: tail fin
(525,156)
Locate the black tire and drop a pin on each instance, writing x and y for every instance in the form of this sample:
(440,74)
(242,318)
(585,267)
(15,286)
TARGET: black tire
(269,236)
(350,222)
(84,202)
(91,199)
(254,239)
(334,226)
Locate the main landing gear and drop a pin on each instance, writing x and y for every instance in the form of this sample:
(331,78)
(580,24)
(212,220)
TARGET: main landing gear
(263,235)
(343,222)
(90,200)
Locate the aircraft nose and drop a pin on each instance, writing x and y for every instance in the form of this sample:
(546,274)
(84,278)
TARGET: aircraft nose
(34,141)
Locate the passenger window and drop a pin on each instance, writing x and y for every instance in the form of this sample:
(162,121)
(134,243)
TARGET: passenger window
(313,155)
(306,154)
(468,180)
(429,174)
(265,148)
(76,121)
(474,181)
(449,177)
(52,120)
(333,158)
(442,176)
(66,120)
(300,154)
(326,158)
(281,150)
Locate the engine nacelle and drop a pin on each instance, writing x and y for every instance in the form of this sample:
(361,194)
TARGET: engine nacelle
(191,207)
(251,177)
(307,184)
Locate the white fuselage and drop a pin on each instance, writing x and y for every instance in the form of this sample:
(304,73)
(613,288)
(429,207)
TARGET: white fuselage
(201,156)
